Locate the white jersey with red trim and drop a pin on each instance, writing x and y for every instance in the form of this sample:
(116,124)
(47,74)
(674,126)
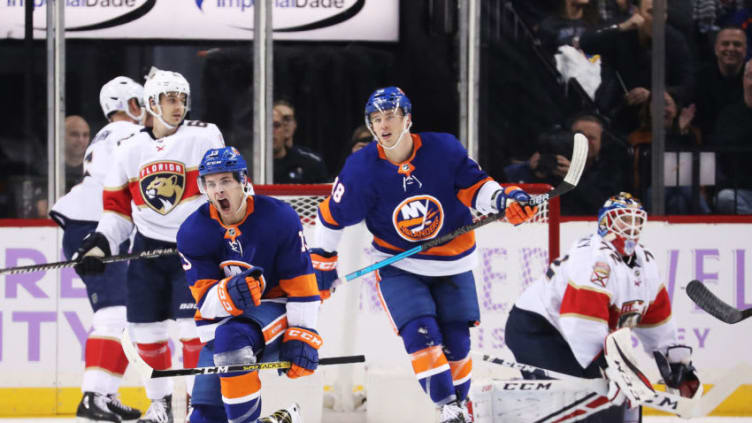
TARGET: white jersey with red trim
(84,201)
(153,183)
(591,291)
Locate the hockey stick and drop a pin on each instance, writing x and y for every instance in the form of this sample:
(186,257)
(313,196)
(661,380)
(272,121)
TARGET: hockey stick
(576,166)
(716,307)
(664,401)
(147,372)
(111,259)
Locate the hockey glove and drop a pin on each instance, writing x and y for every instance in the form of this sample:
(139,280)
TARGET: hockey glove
(242,291)
(94,247)
(677,370)
(300,346)
(325,267)
(513,201)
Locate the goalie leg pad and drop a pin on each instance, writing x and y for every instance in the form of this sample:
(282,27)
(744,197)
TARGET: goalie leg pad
(423,341)
(623,370)
(457,350)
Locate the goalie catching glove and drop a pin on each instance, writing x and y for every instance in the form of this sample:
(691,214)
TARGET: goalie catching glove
(514,202)
(94,247)
(325,268)
(242,291)
(677,371)
(300,346)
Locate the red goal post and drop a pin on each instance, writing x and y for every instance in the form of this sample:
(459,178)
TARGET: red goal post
(305,199)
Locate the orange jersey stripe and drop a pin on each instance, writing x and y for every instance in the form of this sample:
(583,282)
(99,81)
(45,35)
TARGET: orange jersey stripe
(454,247)
(659,310)
(199,288)
(428,359)
(274,329)
(585,302)
(326,213)
(461,369)
(240,386)
(300,286)
(117,200)
(466,195)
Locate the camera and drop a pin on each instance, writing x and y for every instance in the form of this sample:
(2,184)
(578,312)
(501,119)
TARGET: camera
(550,144)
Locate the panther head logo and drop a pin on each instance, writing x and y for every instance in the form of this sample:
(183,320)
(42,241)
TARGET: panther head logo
(162,185)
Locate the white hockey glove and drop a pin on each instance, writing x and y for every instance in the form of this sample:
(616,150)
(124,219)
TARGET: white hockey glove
(627,383)
(677,371)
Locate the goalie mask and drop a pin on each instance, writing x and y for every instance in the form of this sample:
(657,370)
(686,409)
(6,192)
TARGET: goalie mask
(620,222)
(389,99)
(160,82)
(115,94)
(221,160)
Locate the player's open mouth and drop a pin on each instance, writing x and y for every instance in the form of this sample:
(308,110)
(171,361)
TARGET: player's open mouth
(224,204)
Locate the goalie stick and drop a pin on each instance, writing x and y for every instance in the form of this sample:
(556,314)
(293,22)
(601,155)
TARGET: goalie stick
(576,166)
(147,372)
(716,307)
(111,259)
(663,401)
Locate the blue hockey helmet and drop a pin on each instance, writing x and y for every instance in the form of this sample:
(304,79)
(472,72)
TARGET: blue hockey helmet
(620,222)
(221,160)
(389,98)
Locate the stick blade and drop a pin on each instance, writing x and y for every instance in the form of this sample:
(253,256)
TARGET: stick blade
(134,359)
(713,305)
(579,158)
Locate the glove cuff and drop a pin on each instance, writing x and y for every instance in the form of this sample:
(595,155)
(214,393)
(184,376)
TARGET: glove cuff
(225,299)
(324,261)
(309,336)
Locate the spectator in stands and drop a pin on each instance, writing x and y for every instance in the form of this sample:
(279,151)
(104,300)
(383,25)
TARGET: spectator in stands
(77,136)
(734,128)
(626,48)
(361,137)
(566,26)
(293,165)
(679,133)
(614,11)
(720,84)
(604,171)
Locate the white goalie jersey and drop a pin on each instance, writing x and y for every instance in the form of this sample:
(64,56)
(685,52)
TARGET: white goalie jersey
(591,291)
(152,183)
(84,201)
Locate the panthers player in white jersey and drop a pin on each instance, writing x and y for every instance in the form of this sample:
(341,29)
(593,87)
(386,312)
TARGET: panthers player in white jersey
(152,185)
(78,213)
(605,281)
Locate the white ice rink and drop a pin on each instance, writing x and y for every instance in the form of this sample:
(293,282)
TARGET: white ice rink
(334,417)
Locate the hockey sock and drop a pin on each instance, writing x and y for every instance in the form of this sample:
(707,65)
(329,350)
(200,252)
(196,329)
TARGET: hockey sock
(105,365)
(157,355)
(457,350)
(191,351)
(432,370)
(461,373)
(242,397)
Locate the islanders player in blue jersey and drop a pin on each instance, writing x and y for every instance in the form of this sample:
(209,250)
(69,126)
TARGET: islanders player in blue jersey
(249,270)
(410,188)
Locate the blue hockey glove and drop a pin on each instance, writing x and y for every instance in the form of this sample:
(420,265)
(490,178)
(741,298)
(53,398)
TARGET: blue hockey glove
(325,267)
(242,291)
(513,201)
(677,370)
(300,346)
(94,247)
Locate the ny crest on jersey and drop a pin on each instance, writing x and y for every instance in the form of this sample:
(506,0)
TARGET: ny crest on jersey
(162,184)
(418,218)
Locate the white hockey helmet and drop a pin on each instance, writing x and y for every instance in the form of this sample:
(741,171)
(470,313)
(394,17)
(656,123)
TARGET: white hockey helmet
(115,94)
(162,82)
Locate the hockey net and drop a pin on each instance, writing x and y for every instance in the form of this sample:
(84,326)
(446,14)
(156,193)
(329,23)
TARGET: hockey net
(354,322)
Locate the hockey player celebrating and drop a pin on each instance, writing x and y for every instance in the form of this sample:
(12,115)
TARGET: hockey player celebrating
(410,188)
(152,185)
(78,213)
(606,281)
(250,273)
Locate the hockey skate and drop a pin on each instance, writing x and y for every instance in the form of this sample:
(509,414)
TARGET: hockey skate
(290,414)
(454,412)
(160,411)
(125,412)
(94,408)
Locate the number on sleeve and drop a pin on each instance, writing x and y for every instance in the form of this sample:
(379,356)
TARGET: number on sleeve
(338,190)
(554,266)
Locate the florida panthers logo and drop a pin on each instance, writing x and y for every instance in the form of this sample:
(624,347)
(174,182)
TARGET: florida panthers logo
(162,185)
(418,218)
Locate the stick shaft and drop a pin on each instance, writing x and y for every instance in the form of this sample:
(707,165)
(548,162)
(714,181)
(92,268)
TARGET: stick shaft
(71,263)
(251,367)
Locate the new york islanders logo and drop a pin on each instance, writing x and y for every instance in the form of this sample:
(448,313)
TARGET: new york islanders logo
(418,218)
(162,185)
